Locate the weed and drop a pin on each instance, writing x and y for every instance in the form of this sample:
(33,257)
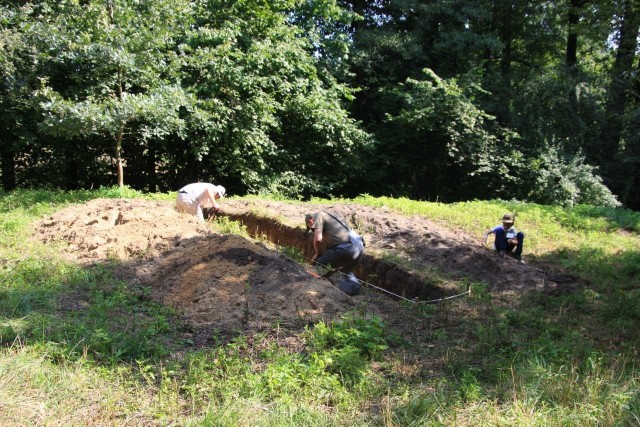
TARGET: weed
(224,225)
(293,253)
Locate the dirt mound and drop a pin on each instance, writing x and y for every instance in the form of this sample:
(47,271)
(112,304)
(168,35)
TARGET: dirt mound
(221,281)
(420,244)
(119,229)
(227,282)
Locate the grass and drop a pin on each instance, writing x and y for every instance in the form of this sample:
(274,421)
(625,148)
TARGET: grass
(80,347)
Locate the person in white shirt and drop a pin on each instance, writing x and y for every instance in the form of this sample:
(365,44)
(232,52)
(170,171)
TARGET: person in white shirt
(192,198)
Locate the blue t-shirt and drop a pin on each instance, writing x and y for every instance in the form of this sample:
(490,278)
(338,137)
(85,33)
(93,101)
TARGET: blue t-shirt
(509,234)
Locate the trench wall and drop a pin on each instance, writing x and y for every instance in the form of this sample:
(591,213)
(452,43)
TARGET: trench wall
(373,270)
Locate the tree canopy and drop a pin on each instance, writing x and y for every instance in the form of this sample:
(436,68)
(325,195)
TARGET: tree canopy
(432,99)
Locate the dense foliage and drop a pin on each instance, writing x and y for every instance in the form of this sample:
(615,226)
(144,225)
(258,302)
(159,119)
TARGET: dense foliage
(432,99)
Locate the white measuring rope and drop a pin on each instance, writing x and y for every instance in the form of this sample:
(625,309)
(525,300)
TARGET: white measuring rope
(412,301)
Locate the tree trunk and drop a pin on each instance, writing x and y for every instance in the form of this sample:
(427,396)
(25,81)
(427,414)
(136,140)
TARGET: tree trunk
(502,20)
(575,10)
(150,162)
(620,84)
(506,34)
(118,155)
(572,38)
(119,90)
(632,153)
(8,170)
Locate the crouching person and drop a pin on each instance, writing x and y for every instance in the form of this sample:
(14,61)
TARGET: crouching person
(192,198)
(508,239)
(345,248)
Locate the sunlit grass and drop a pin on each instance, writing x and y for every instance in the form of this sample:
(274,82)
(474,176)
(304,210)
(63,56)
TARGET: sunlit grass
(224,225)
(82,347)
(34,390)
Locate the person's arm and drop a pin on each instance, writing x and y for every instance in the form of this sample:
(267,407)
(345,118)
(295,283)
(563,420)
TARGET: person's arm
(486,236)
(317,241)
(212,196)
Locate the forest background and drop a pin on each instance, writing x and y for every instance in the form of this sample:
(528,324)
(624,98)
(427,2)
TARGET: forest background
(443,100)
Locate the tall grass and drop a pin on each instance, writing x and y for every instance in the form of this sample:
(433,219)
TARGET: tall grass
(80,347)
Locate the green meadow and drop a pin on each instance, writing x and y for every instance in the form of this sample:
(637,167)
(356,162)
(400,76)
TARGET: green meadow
(122,359)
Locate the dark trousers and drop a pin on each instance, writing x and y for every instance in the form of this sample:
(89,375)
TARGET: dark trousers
(344,256)
(502,244)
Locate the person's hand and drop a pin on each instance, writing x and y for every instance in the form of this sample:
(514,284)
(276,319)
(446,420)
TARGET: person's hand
(313,259)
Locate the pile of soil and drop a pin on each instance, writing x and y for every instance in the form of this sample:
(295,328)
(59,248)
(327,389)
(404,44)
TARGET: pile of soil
(217,281)
(120,229)
(229,282)
(422,245)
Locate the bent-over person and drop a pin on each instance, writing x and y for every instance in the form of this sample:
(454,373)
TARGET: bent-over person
(344,247)
(193,197)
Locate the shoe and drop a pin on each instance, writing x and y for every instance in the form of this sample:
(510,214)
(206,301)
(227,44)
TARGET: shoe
(520,260)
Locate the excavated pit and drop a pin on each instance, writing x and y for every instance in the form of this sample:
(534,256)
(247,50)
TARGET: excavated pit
(227,283)
(432,258)
(372,270)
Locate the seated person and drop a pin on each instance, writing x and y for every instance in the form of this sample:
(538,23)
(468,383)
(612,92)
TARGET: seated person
(507,237)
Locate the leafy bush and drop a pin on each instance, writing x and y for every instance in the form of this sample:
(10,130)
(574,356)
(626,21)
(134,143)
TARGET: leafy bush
(346,346)
(364,335)
(567,182)
(289,185)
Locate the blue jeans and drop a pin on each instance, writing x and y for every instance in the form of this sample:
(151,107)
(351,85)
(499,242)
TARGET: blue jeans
(503,244)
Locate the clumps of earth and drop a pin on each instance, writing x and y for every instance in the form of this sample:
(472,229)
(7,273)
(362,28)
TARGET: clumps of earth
(229,282)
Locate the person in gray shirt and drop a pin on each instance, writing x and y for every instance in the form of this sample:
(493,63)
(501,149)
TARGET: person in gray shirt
(345,248)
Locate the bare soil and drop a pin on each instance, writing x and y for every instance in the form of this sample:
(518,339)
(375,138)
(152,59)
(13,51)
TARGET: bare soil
(227,282)
(421,244)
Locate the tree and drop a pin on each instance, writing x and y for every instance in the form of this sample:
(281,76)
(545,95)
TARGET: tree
(268,110)
(9,41)
(123,70)
(619,88)
(18,74)
(441,143)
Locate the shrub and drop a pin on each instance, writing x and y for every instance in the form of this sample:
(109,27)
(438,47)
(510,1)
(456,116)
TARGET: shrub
(568,181)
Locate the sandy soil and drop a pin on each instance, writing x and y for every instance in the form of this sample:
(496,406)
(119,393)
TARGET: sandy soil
(424,244)
(227,282)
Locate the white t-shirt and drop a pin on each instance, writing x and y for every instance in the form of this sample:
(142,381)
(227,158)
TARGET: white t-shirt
(197,191)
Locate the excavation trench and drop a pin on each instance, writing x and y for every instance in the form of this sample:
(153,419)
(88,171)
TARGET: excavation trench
(375,271)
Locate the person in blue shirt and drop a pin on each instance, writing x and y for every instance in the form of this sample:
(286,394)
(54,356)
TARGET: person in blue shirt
(508,239)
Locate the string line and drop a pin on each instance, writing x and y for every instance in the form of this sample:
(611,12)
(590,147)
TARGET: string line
(412,301)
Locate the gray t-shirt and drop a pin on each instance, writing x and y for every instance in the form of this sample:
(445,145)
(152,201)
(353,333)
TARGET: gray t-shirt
(333,233)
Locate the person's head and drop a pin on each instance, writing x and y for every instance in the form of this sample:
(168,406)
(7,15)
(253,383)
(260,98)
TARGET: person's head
(508,220)
(308,219)
(220,192)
